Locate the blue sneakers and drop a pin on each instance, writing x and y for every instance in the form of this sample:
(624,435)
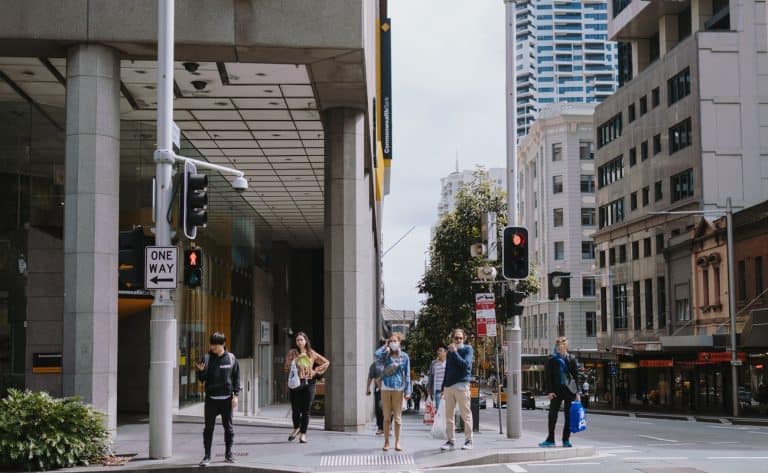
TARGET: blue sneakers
(567,444)
(546,444)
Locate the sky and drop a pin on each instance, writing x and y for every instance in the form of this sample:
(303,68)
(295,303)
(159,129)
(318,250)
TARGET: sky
(448,69)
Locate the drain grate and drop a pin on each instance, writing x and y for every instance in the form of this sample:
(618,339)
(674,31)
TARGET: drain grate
(365,460)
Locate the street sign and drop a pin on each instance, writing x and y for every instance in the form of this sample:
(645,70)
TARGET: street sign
(485,307)
(737,362)
(160,267)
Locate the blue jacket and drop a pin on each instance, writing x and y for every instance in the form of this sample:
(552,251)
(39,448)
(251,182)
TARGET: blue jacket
(458,366)
(401,378)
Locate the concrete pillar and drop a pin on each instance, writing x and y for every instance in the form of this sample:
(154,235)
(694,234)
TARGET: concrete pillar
(701,11)
(668,34)
(641,56)
(91,226)
(349,310)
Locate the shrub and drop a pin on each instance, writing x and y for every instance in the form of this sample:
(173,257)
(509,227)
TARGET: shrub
(39,432)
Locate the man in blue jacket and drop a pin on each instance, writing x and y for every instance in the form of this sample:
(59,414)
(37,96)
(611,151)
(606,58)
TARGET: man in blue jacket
(455,389)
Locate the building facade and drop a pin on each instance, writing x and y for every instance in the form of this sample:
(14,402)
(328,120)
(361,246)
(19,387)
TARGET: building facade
(452,183)
(662,144)
(557,204)
(562,55)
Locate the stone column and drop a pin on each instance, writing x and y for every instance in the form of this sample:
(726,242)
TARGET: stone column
(349,310)
(641,56)
(669,35)
(91,227)
(701,11)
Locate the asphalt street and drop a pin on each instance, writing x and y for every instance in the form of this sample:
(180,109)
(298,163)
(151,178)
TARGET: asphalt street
(628,444)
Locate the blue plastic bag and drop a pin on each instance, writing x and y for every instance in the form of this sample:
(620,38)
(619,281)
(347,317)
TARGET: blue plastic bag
(578,417)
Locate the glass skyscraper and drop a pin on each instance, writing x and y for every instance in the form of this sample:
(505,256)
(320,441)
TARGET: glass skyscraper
(562,55)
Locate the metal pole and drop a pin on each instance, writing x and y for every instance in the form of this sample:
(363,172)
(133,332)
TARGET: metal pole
(513,335)
(732,307)
(498,384)
(162,325)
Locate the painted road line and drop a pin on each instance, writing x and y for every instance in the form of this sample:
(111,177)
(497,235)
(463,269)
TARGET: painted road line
(642,459)
(729,427)
(619,450)
(658,438)
(723,443)
(564,464)
(640,422)
(758,432)
(516,468)
(737,458)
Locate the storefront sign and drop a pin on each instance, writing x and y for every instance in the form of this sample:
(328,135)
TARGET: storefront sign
(628,365)
(719,356)
(656,363)
(485,308)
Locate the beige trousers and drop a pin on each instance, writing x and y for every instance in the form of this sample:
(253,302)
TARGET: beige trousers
(393,407)
(460,397)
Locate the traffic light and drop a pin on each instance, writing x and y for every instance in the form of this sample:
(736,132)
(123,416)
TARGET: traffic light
(130,260)
(515,253)
(512,303)
(194,200)
(193,267)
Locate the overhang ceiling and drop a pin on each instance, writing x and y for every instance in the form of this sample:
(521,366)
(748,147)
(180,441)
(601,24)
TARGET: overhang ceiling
(260,118)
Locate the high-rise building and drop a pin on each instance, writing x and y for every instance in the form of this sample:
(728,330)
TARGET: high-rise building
(556,183)
(562,55)
(450,185)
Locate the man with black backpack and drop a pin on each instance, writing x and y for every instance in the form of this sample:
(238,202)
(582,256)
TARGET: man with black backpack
(560,374)
(221,374)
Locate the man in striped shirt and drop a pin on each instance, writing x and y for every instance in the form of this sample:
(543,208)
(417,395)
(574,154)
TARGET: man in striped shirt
(436,375)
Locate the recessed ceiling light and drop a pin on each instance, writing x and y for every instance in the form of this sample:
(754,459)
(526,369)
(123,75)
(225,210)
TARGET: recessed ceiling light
(261,74)
(221,104)
(276,135)
(27,73)
(274,103)
(149,87)
(139,71)
(269,91)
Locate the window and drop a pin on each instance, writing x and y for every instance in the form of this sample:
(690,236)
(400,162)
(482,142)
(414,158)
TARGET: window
(705,288)
(623,254)
(602,259)
(587,183)
(658,191)
(636,249)
(632,156)
(679,86)
(611,171)
(758,275)
(587,216)
(742,280)
(638,322)
(603,310)
(655,97)
(683,310)
(647,247)
(680,136)
(588,287)
(643,105)
(557,217)
(649,304)
(559,250)
(633,201)
(609,130)
(620,307)
(631,113)
(612,256)
(557,184)
(585,151)
(557,152)
(682,185)
(659,243)
(661,299)
(643,151)
(611,213)
(561,324)
(656,144)
(716,271)
(591,322)
(646,196)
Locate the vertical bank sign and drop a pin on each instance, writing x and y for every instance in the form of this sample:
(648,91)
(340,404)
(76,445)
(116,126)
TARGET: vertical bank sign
(485,309)
(386,88)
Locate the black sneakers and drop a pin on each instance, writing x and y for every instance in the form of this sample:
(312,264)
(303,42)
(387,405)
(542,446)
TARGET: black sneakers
(229,458)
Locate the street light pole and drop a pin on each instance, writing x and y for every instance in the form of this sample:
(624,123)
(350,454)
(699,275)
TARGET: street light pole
(162,324)
(512,330)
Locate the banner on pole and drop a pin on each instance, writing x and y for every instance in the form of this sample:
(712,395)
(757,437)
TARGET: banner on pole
(485,309)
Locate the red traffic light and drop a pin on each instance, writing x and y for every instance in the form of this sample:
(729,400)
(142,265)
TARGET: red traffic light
(193,258)
(518,239)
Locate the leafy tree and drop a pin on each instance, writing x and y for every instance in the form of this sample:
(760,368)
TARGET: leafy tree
(448,282)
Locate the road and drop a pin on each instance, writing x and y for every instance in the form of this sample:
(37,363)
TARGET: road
(634,445)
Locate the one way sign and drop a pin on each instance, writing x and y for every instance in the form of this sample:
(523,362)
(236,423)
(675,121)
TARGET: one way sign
(161,269)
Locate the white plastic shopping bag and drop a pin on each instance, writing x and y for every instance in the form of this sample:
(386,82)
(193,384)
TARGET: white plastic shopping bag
(438,426)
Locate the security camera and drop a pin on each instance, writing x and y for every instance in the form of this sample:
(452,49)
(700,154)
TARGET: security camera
(191,66)
(240,184)
(199,84)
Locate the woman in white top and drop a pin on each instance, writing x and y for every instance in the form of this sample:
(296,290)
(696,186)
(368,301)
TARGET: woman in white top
(436,375)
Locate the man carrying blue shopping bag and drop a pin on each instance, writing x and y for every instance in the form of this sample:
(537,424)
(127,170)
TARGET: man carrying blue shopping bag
(560,374)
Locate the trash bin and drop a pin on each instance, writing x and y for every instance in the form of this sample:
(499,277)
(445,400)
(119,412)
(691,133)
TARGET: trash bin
(474,407)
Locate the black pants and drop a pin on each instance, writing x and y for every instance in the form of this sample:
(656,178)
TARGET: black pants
(213,408)
(564,398)
(301,400)
(378,409)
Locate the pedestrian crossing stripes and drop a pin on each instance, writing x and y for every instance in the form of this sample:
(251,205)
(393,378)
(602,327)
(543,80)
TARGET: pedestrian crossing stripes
(365,460)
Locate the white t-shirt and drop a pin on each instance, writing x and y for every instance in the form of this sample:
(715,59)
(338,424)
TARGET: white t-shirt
(439,374)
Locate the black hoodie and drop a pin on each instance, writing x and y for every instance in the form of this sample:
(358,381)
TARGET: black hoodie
(221,375)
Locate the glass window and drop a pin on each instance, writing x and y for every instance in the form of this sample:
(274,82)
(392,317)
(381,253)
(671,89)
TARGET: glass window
(587,250)
(611,171)
(603,309)
(649,304)
(585,151)
(658,192)
(656,144)
(588,286)
(681,185)
(632,156)
(647,247)
(646,196)
(623,254)
(557,184)
(631,113)
(588,216)
(557,217)
(679,86)
(655,93)
(661,299)
(638,324)
(680,136)
(612,256)
(633,201)
(659,243)
(636,249)
(602,259)
(643,105)
(620,307)
(683,310)
(643,151)
(557,152)
(559,250)
(591,323)
(587,183)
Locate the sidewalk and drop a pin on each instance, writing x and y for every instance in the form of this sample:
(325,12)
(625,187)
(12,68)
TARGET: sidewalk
(261,444)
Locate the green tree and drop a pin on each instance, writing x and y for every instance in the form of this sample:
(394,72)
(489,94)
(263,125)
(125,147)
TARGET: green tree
(448,281)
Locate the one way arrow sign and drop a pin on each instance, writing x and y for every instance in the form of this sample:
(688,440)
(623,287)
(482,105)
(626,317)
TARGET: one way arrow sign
(160,267)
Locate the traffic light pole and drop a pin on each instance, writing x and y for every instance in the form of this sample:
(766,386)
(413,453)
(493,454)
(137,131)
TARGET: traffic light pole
(512,328)
(162,324)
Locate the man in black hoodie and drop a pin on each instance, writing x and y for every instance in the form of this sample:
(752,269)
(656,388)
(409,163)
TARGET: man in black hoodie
(221,375)
(560,374)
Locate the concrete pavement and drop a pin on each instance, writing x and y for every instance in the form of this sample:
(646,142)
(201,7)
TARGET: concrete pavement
(261,444)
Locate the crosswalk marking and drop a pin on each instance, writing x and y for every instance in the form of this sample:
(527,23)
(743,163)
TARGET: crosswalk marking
(516,468)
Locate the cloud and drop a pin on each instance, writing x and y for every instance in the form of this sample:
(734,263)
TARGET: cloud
(448,100)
